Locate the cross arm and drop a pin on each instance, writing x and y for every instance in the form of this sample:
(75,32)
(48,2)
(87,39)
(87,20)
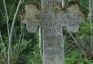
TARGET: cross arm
(31,18)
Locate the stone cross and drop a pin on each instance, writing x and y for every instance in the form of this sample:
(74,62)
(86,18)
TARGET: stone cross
(52,18)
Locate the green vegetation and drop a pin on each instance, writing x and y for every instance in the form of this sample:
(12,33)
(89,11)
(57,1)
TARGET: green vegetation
(25,46)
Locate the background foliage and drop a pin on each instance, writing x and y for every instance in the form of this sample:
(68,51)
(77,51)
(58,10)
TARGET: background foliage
(25,48)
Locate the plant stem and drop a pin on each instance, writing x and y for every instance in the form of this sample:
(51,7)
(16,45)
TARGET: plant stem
(7,17)
(11,32)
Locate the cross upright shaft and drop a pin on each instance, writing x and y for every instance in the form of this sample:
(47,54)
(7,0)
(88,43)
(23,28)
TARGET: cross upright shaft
(52,36)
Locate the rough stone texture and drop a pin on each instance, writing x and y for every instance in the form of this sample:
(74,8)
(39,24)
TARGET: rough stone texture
(30,18)
(71,21)
(71,18)
(52,20)
(32,26)
(52,36)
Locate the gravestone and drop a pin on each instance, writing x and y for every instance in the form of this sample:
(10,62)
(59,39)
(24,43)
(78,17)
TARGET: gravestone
(51,28)
(52,36)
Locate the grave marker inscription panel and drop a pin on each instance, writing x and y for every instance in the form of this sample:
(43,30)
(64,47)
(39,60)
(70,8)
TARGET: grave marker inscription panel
(52,36)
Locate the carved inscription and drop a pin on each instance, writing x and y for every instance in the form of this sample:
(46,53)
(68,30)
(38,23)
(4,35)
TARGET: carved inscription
(52,36)
(71,21)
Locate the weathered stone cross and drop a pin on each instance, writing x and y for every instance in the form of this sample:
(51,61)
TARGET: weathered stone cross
(52,18)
